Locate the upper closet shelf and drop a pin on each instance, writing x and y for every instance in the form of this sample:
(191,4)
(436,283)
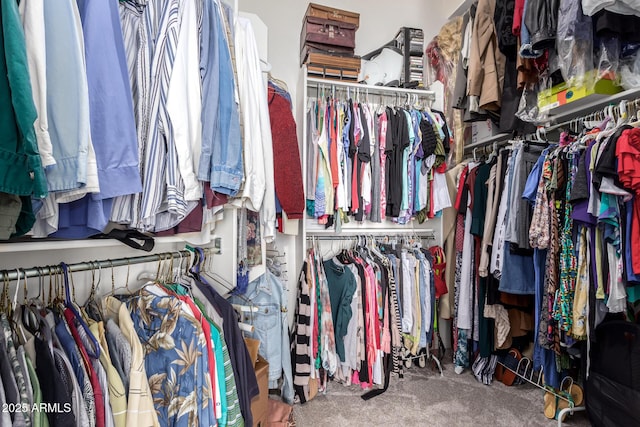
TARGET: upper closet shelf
(565,113)
(314,81)
(58,245)
(587,105)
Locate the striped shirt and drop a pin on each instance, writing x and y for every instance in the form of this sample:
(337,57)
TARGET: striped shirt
(151,34)
(301,343)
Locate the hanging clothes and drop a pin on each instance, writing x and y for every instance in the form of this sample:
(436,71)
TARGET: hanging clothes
(149,144)
(373,306)
(374,164)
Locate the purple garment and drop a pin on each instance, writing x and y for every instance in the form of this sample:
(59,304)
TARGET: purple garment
(113,129)
(214,198)
(579,212)
(190,224)
(83,218)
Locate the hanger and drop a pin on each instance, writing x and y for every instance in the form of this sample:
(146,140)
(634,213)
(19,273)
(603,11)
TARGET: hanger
(4,297)
(92,352)
(14,300)
(30,316)
(539,141)
(126,285)
(280,83)
(622,109)
(40,284)
(494,152)
(635,118)
(94,286)
(200,259)
(158,276)
(196,269)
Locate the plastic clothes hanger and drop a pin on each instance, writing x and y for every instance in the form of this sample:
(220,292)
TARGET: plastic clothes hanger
(29,315)
(494,152)
(92,352)
(199,261)
(196,269)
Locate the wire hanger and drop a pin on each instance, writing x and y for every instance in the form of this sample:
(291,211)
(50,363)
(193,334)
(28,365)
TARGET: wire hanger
(154,277)
(126,284)
(14,300)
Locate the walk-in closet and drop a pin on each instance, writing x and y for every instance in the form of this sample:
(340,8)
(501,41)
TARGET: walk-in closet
(330,213)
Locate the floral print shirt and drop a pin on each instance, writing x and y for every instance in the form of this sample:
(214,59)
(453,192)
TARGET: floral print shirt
(175,360)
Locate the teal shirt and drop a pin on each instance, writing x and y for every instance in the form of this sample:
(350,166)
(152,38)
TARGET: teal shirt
(21,171)
(342,285)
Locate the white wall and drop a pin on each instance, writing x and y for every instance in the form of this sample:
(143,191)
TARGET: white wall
(379,22)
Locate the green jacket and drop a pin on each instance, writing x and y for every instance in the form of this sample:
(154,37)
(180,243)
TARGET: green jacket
(21,171)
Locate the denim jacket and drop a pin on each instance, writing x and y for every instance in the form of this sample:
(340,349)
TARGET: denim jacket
(268,294)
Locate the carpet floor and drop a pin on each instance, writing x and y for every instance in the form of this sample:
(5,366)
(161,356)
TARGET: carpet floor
(424,398)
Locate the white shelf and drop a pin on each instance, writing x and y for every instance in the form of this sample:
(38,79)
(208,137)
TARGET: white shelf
(462,9)
(587,105)
(310,227)
(311,81)
(61,245)
(565,113)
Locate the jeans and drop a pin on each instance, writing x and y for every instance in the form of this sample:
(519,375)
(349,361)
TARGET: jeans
(425,298)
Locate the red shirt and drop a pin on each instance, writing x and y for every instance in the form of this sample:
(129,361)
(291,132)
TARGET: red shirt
(628,154)
(93,376)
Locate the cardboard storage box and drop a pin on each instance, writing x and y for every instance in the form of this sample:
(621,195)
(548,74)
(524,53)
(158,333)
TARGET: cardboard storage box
(573,96)
(482,129)
(260,403)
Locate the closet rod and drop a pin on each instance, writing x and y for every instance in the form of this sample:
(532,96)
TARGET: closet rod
(313,81)
(375,233)
(92,265)
(429,237)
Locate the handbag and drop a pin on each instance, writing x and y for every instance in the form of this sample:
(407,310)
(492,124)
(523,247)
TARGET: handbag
(280,414)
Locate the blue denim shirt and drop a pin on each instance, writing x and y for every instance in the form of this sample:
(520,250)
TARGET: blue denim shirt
(221,155)
(271,328)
